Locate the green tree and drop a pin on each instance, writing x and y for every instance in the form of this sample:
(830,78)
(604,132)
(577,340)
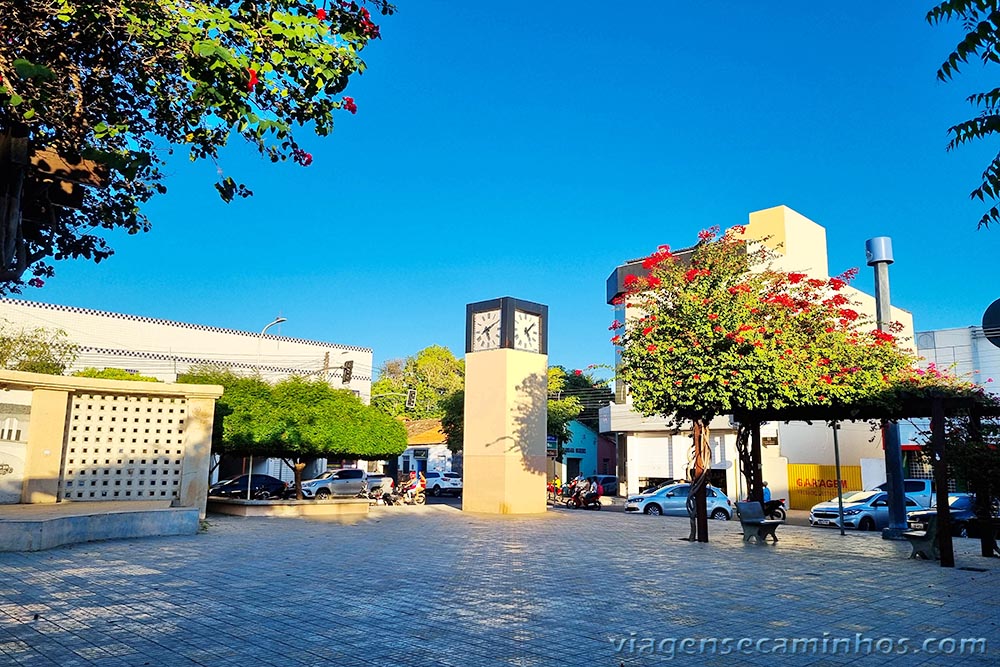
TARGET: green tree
(113,374)
(592,392)
(297,420)
(453,419)
(561,411)
(722,333)
(980,19)
(433,373)
(36,350)
(114,87)
(562,407)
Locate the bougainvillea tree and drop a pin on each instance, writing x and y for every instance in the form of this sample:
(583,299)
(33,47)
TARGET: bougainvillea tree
(94,95)
(714,331)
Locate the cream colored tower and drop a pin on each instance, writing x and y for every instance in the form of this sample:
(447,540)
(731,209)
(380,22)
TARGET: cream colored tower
(506,396)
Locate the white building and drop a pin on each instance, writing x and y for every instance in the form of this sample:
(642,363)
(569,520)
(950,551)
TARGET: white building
(164,348)
(798,458)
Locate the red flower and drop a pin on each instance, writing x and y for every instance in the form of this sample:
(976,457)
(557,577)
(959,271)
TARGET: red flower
(713,316)
(815,283)
(707,234)
(651,348)
(823,362)
(691,274)
(836,283)
(616,339)
(826,378)
(615,325)
(647,331)
(350,105)
(717,329)
(253,79)
(848,314)
(653,281)
(631,280)
(829,329)
(738,229)
(696,376)
(321,14)
(577,372)
(795,278)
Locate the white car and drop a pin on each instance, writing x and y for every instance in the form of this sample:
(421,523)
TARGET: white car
(443,482)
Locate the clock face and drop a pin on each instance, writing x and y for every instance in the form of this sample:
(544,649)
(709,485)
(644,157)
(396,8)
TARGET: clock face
(527,332)
(486,330)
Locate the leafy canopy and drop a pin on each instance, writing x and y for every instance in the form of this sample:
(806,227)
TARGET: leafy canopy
(296,418)
(723,333)
(36,350)
(433,372)
(123,84)
(113,374)
(981,21)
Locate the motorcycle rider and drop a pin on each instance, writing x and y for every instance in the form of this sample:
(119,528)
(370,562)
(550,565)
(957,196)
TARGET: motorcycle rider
(412,486)
(593,492)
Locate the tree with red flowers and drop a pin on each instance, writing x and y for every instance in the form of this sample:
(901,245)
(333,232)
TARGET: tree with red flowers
(94,95)
(720,332)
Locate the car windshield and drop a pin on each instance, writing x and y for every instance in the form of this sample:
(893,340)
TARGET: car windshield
(326,475)
(858,496)
(957,502)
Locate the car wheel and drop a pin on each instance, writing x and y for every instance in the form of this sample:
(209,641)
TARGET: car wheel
(323,494)
(653,509)
(866,524)
(720,514)
(263,494)
(436,491)
(419,499)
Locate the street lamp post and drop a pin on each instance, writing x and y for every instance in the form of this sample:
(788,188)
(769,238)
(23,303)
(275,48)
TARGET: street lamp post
(277,320)
(878,252)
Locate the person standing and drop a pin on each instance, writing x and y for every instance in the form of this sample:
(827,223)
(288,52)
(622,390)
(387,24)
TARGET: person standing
(767,493)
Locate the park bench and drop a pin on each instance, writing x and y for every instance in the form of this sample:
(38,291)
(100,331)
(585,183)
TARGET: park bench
(924,542)
(755,524)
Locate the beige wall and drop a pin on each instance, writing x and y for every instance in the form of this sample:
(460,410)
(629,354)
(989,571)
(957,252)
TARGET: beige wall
(505,426)
(65,427)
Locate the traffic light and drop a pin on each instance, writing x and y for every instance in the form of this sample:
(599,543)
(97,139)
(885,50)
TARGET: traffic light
(348,370)
(411,399)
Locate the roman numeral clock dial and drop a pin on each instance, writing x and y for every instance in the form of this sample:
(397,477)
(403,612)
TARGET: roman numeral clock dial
(486,330)
(527,332)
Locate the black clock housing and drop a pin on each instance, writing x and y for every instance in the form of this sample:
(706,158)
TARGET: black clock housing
(508,306)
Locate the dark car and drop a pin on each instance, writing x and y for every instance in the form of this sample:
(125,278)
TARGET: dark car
(962,511)
(261,487)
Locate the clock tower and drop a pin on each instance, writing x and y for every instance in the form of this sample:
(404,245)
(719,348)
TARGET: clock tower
(506,407)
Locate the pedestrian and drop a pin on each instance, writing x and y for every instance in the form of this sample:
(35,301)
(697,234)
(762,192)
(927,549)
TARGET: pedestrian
(767,493)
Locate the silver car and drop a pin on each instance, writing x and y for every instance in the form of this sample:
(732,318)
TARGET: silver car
(864,510)
(672,500)
(347,482)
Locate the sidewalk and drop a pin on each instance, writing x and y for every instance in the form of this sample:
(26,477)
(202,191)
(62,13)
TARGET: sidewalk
(432,586)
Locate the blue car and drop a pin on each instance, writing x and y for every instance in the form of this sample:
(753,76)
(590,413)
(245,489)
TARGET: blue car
(672,501)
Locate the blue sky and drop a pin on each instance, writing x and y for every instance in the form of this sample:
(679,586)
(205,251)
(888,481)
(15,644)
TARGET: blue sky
(527,149)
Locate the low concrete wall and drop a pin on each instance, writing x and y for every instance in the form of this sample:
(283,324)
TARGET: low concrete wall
(338,509)
(39,533)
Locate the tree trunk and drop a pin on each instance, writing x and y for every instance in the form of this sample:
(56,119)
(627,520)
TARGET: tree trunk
(298,468)
(701,463)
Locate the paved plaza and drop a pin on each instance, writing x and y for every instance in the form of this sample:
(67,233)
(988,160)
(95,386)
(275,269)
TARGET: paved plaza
(432,586)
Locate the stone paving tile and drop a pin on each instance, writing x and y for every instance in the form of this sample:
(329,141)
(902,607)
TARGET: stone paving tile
(434,587)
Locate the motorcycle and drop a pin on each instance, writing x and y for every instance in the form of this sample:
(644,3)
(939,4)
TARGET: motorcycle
(774,509)
(402,498)
(580,501)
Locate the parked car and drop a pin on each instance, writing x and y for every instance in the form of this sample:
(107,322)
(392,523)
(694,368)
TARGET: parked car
(920,490)
(443,482)
(672,500)
(261,487)
(609,483)
(962,512)
(864,510)
(344,482)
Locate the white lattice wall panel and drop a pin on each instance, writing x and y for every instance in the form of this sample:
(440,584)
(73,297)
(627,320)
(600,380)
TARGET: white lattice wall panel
(123,448)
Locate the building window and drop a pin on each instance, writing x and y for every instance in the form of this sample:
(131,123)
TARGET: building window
(10,430)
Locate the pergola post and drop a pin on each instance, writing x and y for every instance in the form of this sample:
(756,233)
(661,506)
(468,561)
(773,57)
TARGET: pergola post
(945,545)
